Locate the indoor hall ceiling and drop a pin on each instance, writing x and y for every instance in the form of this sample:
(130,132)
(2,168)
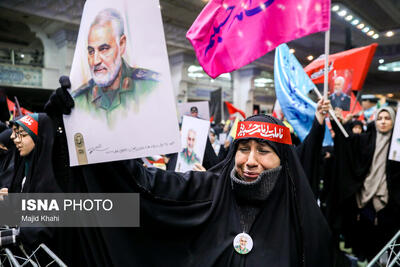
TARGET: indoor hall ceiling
(178,15)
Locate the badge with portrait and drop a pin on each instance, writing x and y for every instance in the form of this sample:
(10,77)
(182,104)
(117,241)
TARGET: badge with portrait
(198,110)
(121,85)
(194,136)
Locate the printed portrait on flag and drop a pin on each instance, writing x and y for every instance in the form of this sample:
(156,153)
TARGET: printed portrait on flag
(119,74)
(340,82)
(352,65)
(194,135)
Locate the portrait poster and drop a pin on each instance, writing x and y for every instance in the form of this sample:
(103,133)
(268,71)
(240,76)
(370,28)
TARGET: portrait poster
(190,108)
(394,153)
(340,93)
(121,85)
(194,134)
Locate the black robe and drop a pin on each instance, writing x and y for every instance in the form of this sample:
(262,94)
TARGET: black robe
(191,219)
(6,159)
(309,152)
(39,179)
(353,160)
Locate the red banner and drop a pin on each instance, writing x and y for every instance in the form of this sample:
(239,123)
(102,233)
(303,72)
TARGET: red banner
(356,60)
(263,130)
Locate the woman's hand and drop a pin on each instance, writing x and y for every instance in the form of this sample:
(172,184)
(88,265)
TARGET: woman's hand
(322,109)
(199,167)
(3,192)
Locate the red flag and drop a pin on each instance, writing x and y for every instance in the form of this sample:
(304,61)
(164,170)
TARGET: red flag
(351,66)
(356,60)
(12,107)
(232,109)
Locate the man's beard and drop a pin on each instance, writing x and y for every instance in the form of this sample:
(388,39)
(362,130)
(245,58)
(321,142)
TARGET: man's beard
(106,79)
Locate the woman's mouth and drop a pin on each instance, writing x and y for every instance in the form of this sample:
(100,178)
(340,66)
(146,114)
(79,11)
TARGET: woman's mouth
(251,175)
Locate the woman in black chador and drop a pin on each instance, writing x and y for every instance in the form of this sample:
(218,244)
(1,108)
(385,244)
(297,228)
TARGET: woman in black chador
(33,136)
(259,190)
(365,200)
(255,208)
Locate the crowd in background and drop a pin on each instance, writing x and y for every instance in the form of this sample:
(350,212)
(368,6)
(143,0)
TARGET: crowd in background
(355,185)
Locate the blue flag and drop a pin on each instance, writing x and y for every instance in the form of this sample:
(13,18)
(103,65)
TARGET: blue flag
(292,86)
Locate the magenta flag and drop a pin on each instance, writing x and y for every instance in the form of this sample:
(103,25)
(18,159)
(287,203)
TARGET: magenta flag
(229,34)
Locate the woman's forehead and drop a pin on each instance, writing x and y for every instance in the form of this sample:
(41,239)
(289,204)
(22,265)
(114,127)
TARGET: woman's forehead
(384,113)
(257,141)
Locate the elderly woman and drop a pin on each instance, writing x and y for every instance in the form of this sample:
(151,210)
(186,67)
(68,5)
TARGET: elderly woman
(259,192)
(366,200)
(253,209)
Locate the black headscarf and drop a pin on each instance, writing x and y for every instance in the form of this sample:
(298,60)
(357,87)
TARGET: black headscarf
(40,176)
(39,179)
(4,112)
(191,219)
(6,159)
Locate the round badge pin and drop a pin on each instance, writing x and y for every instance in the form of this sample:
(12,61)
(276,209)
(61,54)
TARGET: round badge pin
(243,243)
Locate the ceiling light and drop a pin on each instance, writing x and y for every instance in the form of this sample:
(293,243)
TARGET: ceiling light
(195,75)
(375,36)
(390,95)
(291,50)
(384,68)
(264,80)
(381,61)
(310,57)
(194,68)
(225,76)
(389,34)
(342,13)
(396,69)
(366,29)
(259,84)
(22,55)
(335,8)
(370,33)
(349,17)
(355,22)
(360,26)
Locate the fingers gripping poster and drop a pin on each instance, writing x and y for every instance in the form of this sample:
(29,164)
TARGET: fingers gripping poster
(121,85)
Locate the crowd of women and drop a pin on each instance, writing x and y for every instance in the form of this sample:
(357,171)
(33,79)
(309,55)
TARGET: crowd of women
(293,203)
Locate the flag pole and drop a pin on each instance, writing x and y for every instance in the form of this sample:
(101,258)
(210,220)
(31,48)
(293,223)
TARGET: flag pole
(222,104)
(326,75)
(332,113)
(326,71)
(355,103)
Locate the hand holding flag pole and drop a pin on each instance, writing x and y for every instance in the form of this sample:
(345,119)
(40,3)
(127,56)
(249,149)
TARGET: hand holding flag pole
(332,113)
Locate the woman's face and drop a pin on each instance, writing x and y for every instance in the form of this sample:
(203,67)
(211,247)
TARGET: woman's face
(23,141)
(252,158)
(384,122)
